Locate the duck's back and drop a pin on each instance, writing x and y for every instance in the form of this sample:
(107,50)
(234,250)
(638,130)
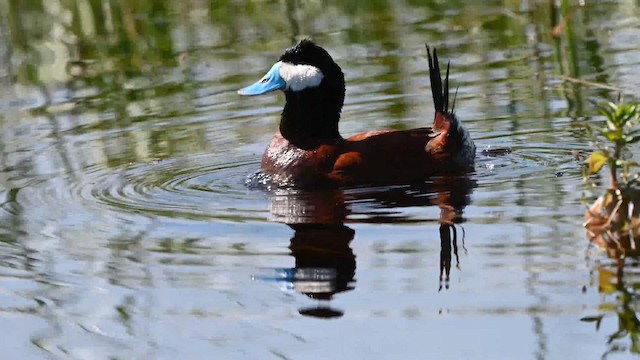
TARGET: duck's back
(396,156)
(386,156)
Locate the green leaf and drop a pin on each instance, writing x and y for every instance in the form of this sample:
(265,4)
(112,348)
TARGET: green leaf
(633,139)
(595,161)
(613,135)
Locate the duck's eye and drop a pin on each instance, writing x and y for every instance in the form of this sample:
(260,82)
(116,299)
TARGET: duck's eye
(264,80)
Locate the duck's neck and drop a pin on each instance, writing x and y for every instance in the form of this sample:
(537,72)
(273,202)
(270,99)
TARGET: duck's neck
(310,117)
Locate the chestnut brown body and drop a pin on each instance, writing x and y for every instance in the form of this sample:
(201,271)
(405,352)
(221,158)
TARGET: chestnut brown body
(375,157)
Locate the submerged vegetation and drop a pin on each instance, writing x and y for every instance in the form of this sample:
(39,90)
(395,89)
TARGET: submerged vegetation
(612,221)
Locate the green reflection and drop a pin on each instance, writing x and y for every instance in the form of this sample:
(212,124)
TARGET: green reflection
(100,86)
(612,283)
(110,64)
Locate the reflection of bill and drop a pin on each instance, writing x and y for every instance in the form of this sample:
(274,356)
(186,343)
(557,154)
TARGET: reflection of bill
(324,262)
(325,265)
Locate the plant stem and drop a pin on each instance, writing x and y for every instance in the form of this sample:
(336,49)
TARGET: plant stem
(613,167)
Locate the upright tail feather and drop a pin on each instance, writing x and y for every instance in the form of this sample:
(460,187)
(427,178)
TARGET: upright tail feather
(440,93)
(448,135)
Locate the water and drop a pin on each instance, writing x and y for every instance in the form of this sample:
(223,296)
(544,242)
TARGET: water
(128,231)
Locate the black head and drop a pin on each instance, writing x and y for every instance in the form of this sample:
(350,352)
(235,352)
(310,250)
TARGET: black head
(306,52)
(314,87)
(315,111)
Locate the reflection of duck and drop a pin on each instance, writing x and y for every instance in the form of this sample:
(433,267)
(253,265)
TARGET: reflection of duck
(324,262)
(308,149)
(447,244)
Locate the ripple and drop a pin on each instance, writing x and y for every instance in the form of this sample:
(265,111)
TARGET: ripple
(205,186)
(197,187)
(530,162)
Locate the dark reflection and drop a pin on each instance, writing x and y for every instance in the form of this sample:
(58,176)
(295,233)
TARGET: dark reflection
(448,245)
(325,264)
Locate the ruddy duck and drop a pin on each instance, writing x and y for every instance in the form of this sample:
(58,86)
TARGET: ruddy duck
(308,150)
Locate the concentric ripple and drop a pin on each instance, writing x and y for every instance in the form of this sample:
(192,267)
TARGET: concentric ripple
(195,187)
(206,186)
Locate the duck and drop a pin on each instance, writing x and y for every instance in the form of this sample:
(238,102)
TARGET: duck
(308,151)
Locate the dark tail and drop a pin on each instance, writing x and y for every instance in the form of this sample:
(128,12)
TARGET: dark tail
(440,92)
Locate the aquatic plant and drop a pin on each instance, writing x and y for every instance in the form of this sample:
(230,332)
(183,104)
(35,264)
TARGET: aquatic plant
(612,221)
(621,305)
(620,130)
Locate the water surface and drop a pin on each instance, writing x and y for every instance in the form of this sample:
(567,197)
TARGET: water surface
(128,230)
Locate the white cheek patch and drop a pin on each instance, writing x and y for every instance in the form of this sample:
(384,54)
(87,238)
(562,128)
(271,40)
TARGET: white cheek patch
(300,77)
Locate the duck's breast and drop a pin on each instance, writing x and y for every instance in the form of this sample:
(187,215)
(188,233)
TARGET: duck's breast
(292,165)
